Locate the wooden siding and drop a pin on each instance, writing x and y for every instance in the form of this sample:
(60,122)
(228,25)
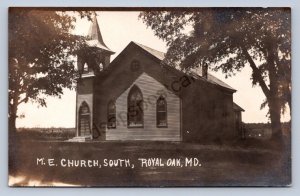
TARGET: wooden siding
(207,114)
(151,90)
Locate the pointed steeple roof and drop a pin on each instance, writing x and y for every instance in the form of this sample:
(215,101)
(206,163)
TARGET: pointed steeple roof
(94,37)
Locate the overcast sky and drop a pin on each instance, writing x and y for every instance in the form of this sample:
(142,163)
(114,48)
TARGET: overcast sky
(118,30)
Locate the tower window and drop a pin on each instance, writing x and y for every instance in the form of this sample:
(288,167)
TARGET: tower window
(111,115)
(85,67)
(135,113)
(161,112)
(101,66)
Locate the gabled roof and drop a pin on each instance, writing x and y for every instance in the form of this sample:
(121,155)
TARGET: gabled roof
(156,53)
(210,78)
(94,37)
(237,107)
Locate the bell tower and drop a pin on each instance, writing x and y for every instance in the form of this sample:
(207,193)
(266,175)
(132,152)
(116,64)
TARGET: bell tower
(96,56)
(91,60)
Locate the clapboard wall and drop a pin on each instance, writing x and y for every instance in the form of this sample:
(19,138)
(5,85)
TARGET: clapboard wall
(151,89)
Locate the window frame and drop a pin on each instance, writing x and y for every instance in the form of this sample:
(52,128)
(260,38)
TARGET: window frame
(136,105)
(165,113)
(85,68)
(109,113)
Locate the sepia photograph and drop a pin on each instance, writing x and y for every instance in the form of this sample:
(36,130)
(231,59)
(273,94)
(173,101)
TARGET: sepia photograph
(149,97)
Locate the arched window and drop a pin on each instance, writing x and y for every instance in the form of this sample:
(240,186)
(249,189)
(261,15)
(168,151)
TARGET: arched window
(111,115)
(135,113)
(85,68)
(84,119)
(101,66)
(161,112)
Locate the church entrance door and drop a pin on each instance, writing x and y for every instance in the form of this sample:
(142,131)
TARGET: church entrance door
(84,120)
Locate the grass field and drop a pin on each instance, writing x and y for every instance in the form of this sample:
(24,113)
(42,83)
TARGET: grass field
(221,165)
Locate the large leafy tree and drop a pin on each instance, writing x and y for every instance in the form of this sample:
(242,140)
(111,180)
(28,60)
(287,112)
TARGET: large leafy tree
(229,39)
(40,47)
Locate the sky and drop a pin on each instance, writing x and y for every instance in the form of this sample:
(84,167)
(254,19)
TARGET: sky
(118,29)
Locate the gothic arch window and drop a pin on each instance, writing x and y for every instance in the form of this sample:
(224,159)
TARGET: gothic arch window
(84,119)
(111,115)
(161,112)
(101,67)
(85,68)
(135,111)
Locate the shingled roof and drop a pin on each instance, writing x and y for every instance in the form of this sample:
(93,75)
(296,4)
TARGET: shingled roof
(210,78)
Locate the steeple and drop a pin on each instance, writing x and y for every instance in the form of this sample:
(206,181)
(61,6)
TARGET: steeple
(94,37)
(97,57)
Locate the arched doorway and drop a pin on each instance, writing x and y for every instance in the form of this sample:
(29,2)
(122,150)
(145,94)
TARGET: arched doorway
(84,127)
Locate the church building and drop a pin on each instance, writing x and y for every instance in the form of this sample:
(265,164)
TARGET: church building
(137,97)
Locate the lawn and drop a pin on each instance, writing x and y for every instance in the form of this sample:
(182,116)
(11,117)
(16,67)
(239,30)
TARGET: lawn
(218,165)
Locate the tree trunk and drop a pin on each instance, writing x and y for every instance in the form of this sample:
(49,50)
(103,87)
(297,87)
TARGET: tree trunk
(12,124)
(273,98)
(275,111)
(12,133)
(13,108)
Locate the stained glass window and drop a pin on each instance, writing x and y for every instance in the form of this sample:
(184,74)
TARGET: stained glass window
(135,108)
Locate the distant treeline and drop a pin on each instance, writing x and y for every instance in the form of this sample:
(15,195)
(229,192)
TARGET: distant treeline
(50,129)
(257,125)
(264,125)
(54,133)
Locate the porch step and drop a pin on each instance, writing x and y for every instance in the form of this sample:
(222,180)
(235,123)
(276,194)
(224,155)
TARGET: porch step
(80,138)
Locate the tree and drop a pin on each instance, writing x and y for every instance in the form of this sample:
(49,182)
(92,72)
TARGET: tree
(229,39)
(40,47)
